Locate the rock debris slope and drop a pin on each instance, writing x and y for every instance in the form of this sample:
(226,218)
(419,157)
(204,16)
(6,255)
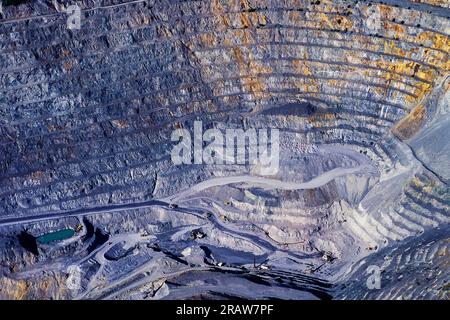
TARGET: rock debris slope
(358,89)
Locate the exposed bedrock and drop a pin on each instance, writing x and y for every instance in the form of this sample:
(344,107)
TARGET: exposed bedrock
(359,91)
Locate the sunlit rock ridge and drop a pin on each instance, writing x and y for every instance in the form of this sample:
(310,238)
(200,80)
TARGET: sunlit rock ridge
(93,207)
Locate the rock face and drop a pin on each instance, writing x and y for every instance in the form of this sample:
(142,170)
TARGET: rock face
(359,91)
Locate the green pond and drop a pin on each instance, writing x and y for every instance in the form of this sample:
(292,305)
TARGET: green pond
(56,236)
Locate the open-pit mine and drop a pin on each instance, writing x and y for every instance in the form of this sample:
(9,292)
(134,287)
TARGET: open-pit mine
(224,149)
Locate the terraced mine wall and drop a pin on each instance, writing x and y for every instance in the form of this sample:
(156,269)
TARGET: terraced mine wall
(86,117)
